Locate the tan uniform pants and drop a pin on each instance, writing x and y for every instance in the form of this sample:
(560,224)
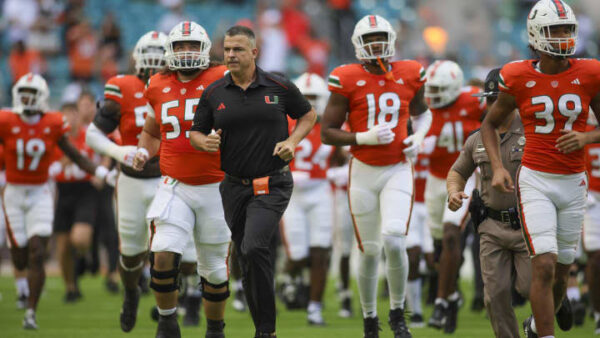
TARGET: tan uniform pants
(501,249)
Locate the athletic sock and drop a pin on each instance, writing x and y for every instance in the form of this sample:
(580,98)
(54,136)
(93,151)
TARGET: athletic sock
(167,312)
(414,296)
(454,297)
(22,286)
(573,293)
(313,306)
(441,301)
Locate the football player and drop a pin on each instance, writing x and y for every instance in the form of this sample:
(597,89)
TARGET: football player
(307,225)
(30,134)
(377,97)
(185,205)
(457,114)
(554,95)
(125,108)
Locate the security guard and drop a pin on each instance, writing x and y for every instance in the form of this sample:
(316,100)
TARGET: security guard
(502,248)
(249,108)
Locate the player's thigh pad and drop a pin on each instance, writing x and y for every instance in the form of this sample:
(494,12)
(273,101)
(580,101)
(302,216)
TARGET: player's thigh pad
(40,211)
(538,213)
(458,217)
(363,194)
(321,215)
(396,200)
(205,200)
(212,262)
(571,195)
(435,202)
(294,227)
(134,196)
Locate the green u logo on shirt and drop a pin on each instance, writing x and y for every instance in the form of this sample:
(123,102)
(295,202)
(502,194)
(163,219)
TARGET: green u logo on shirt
(275,99)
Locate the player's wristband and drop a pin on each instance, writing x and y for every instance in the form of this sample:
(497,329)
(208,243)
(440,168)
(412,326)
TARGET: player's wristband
(143,151)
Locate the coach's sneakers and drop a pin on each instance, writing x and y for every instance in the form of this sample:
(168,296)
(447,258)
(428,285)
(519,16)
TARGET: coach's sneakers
(168,327)
(21,301)
(564,315)
(451,316)
(527,328)
(438,317)
(129,309)
(371,327)
(416,320)
(398,324)
(29,322)
(214,329)
(192,310)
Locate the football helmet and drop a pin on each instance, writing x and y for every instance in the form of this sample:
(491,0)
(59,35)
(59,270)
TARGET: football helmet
(149,52)
(30,94)
(188,31)
(314,86)
(444,82)
(544,15)
(377,49)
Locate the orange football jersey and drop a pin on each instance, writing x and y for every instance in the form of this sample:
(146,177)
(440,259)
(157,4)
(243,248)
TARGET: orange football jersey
(420,172)
(128,92)
(29,148)
(451,126)
(174,104)
(549,104)
(312,156)
(375,99)
(71,172)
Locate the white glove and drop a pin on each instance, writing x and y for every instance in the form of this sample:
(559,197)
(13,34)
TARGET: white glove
(54,169)
(428,145)
(338,176)
(413,143)
(111,177)
(124,154)
(101,172)
(380,134)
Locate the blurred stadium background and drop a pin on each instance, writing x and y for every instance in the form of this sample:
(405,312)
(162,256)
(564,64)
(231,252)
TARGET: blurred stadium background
(79,44)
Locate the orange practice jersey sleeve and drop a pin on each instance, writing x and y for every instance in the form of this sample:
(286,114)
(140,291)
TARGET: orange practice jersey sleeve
(549,104)
(29,148)
(128,92)
(312,156)
(376,99)
(451,126)
(174,104)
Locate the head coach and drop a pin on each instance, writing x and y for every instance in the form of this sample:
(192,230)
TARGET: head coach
(248,110)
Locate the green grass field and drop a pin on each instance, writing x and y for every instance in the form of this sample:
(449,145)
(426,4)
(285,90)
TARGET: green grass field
(97,315)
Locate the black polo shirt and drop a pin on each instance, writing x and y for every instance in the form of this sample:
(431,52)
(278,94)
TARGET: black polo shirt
(252,121)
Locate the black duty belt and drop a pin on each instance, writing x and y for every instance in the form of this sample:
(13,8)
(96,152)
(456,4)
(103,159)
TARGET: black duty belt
(510,216)
(248,180)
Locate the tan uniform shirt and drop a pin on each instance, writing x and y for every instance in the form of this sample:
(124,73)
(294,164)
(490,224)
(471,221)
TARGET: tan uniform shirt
(474,155)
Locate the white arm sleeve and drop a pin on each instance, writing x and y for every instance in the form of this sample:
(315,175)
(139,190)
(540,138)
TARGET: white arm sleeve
(98,141)
(422,123)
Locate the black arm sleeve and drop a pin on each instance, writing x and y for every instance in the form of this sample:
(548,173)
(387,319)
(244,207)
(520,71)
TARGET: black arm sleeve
(296,105)
(203,118)
(75,156)
(108,116)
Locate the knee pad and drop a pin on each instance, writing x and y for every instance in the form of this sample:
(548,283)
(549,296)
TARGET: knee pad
(394,243)
(173,273)
(371,248)
(215,297)
(566,256)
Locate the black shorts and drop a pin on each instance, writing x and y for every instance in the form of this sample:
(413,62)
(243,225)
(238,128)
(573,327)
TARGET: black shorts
(77,202)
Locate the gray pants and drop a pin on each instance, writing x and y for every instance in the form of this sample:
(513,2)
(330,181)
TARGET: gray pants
(503,248)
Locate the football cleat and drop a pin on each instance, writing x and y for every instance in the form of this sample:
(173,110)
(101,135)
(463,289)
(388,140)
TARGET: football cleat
(371,327)
(564,315)
(129,309)
(29,322)
(346,308)
(21,302)
(438,317)
(578,312)
(527,328)
(451,317)
(398,324)
(168,327)
(416,320)
(315,318)
(239,301)
(192,310)
(214,329)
